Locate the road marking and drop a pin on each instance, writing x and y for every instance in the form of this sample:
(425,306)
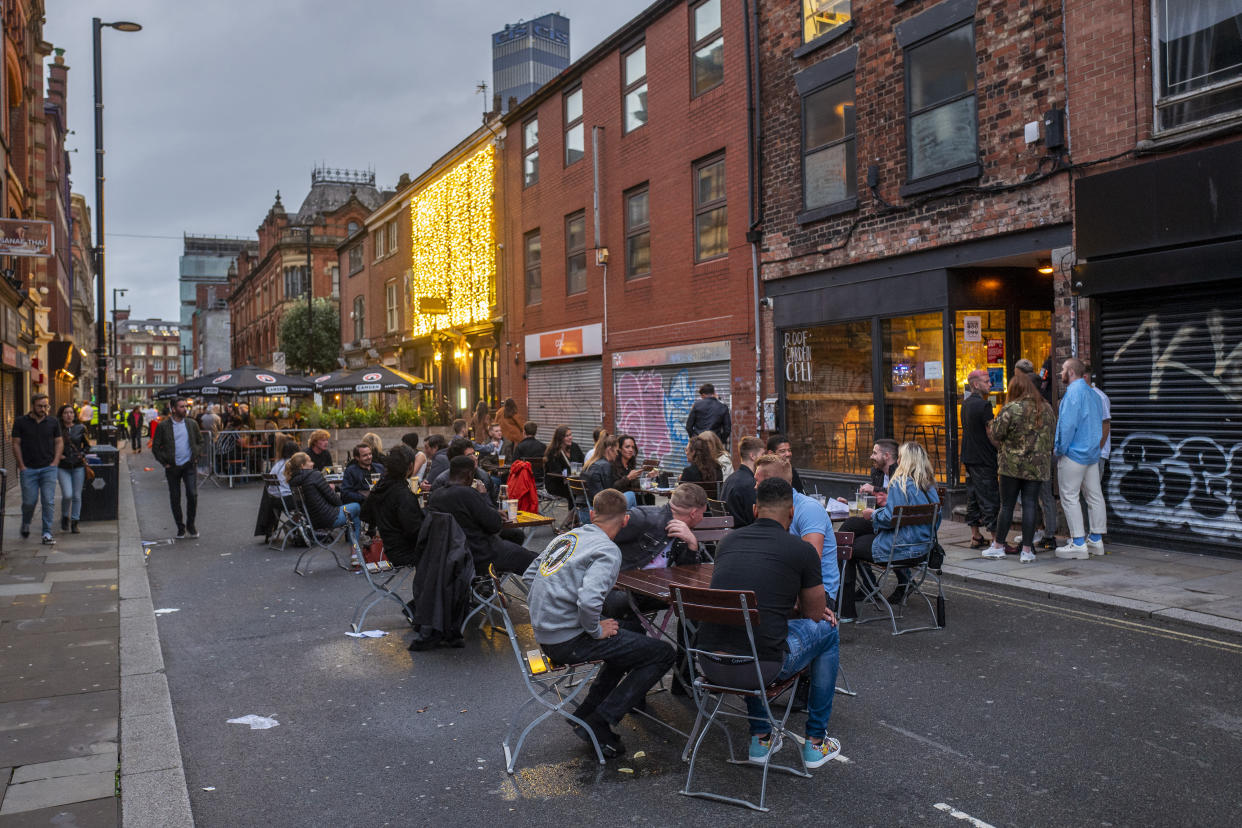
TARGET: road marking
(1117,623)
(956,814)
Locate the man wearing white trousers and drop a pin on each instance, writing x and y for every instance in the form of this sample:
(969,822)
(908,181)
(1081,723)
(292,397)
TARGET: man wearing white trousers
(1077,448)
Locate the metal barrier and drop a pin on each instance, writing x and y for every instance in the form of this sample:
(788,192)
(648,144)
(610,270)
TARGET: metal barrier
(244,455)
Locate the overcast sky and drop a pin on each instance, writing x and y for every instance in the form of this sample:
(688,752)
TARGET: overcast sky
(214,106)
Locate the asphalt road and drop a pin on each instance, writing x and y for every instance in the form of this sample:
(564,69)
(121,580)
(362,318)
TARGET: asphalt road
(1019,713)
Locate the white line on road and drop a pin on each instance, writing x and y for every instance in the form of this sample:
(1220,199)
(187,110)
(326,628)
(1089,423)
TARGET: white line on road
(956,814)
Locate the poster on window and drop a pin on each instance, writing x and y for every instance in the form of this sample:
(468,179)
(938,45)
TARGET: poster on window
(21,237)
(972,328)
(996,350)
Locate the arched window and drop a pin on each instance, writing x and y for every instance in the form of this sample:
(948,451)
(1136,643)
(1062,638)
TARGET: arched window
(360,312)
(352,227)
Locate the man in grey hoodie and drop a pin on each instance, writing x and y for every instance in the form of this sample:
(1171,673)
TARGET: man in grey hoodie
(568,583)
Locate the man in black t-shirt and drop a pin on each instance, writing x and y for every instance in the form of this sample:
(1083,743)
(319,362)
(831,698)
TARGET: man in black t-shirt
(784,573)
(479,520)
(978,455)
(37,444)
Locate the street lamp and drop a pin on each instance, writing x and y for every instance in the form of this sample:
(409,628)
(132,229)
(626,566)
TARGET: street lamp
(101,345)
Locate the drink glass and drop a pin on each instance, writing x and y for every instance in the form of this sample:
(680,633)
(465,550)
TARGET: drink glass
(870,502)
(860,500)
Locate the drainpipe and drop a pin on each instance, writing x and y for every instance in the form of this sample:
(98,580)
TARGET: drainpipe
(754,184)
(595,131)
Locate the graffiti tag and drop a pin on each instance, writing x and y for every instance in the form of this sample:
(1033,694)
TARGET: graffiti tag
(1226,373)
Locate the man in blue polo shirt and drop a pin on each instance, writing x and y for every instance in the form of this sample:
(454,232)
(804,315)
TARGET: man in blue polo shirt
(1080,431)
(810,522)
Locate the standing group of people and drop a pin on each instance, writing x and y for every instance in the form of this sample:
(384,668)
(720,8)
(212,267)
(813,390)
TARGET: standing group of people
(49,451)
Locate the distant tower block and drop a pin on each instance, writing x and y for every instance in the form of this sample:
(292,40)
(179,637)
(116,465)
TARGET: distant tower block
(528,54)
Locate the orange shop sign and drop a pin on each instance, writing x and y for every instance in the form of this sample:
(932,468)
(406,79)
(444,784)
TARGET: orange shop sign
(567,343)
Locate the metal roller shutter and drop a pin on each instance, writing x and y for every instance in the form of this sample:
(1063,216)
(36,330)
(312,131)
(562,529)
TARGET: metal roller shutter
(1172,368)
(8,412)
(652,404)
(566,394)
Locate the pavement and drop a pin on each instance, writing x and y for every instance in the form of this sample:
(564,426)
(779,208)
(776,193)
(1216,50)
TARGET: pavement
(87,735)
(87,731)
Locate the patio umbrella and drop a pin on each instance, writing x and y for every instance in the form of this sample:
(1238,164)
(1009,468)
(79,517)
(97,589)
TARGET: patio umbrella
(190,388)
(255,382)
(323,379)
(376,378)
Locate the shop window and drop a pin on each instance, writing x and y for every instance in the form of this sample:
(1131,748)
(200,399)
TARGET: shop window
(979,337)
(1197,62)
(941,121)
(530,152)
(534,270)
(635,62)
(575,253)
(829,163)
(829,403)
(912,372)
(707,64)
(575,132)
(821,17)
(637,233)
(711,213)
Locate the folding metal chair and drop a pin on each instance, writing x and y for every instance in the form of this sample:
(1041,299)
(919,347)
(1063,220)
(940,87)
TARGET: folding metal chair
(383,585)
(484,596)
(710,531)
(284,520)
(551,686)
(316,539)
(718,677)
(716,508)
(845,552)
(905,517)
(579,503)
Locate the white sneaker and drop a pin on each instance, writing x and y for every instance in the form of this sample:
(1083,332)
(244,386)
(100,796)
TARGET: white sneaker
(1095,547)
(1039,536)
(995,552)
(1073,551)
(1027,556)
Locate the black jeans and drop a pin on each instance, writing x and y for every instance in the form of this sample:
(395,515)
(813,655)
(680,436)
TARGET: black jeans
(633,662)
(1011,488)
(982,497)
(176,476)
(508,556)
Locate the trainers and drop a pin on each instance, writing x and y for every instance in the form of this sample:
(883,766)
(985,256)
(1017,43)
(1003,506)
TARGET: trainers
(1049,543)
(609,742)
(191,531)
(1027,556)
(762,749)
(25,530)
(815,755)
(995,552)
(48,539)
(1095,547)
(1072,551)
(181,534)
(1039,537)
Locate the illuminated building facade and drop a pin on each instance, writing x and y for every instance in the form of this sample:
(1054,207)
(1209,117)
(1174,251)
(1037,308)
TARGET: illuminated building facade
(418,283)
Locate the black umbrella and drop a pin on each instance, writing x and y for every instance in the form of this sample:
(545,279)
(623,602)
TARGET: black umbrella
(191,387)
(323,379)
(377,378)
(255,382)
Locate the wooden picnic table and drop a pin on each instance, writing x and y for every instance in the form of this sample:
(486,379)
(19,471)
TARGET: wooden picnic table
(656,583)
(528,520)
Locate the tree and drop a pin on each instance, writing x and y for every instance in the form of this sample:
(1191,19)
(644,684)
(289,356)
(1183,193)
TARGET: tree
(324,338)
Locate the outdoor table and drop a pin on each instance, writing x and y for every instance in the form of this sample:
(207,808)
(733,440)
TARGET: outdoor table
(528,520)
(655,583)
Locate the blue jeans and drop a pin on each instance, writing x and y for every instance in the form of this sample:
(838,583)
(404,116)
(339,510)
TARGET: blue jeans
(349,514)
(38,485)
(814,643)
(71,482)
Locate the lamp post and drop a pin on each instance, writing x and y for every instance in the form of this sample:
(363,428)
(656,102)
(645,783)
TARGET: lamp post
(101,345)
(116,359)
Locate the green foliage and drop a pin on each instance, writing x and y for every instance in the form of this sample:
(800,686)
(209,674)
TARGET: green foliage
(315,347)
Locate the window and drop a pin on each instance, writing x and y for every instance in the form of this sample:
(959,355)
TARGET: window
(575,253)
(355,259)
(912,382)
(637,234)
(829,404)
(635,62)
(941,125)
(819,17)
(392,311)
(157,379)
(360,313)
(711,214)
(829,173)
(378,237)
(530,152)
(336,281)
(139,366)
(172,350)
(707,64)
(295,281)
(157,365)
(140,350)
(1198,61)
(352,228)
(534,272)
(392,236)
(575,132)
(157,350)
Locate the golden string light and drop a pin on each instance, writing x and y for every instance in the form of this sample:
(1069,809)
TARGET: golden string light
(453,256)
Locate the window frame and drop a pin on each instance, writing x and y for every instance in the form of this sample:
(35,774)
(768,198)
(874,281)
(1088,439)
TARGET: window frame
(834,32)
(711,206)
(634,231)
(534,266)
(1159,101)
(629,87)
(699,43)
(378,242)
(392,231)
(850,201)
(360,317)
(572,253)
(392,307)
(951,175)
(577,123)
(356,259)
(530,153)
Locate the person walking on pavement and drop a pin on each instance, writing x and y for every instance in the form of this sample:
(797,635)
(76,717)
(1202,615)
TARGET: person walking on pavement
(133,421)
(37,446)
(709,414)
(979,458)
(1080,431)
(177,444)
(72,468)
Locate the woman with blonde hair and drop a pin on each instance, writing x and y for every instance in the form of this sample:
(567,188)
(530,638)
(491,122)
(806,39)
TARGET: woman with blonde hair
(717,450)
(377,447)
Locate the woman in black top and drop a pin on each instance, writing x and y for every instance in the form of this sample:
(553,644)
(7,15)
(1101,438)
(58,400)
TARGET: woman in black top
(393,508)
(561,452)
(601,474)
(629,473)
(703,467)
(72,468)
(322,503)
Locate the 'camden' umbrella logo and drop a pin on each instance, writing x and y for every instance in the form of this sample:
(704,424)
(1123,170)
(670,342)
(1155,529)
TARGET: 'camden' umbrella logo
(324,378)
(264,377)
(371,377)
(220,379)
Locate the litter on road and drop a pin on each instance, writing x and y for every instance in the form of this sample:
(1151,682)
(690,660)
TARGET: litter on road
(255,722)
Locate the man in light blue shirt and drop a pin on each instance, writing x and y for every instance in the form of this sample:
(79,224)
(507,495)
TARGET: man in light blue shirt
(810,522)
(1079,435)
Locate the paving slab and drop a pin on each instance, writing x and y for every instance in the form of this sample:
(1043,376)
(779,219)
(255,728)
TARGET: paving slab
(97,813)
(65,790)
(95,763)
(49,729)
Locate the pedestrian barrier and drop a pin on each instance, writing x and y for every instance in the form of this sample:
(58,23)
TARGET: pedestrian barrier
(244,455)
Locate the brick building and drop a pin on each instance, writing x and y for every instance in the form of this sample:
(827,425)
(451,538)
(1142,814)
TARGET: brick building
(915,215)
(266,282)
(627,276)
(148,357)
(1158,235)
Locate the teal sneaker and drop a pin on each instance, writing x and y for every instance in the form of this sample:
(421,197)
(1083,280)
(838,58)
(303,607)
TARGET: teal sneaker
(815,755)
(761,749)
